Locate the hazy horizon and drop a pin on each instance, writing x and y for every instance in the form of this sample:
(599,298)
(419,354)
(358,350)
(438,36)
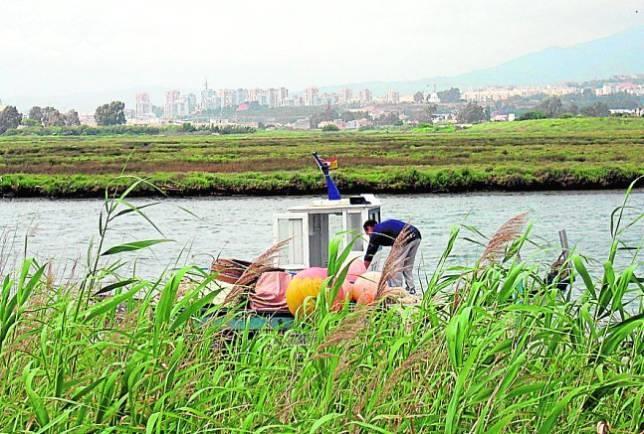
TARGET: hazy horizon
(57,49)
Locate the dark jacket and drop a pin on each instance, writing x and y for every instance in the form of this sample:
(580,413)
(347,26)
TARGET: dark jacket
(385,233)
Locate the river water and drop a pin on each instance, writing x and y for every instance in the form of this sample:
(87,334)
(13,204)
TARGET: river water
(241,227)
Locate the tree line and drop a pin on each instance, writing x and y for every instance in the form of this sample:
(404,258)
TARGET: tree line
(110,120)
(51,117)
(188,127)
(451,95)
(553,107)
(110,114)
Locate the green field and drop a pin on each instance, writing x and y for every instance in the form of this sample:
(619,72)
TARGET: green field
(541,154)
(492,348)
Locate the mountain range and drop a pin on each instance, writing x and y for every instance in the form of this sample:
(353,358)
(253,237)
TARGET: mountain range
(622,53)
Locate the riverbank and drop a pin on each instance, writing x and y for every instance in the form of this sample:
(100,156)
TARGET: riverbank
(290,183)
(548,154)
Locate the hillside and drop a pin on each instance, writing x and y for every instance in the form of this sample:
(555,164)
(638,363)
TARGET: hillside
(622,53)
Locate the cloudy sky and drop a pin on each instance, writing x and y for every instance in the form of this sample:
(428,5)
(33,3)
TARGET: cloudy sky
(65,47)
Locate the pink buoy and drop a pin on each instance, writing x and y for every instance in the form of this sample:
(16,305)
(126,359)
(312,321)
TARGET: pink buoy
(312,273)
(356,269)
(365,288)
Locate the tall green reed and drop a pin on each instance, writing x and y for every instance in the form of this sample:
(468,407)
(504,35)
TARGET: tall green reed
(513,355)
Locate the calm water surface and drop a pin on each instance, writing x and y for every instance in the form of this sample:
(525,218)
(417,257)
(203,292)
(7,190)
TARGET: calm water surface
(61,230)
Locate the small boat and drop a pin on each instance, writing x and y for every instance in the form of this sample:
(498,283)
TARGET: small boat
(309,227)
(305,232)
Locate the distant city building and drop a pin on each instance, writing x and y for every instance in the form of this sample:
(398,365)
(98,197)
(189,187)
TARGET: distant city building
(172,101)
(392,97)
(209,98)
(143,106)
(500,93)
(177,106)
(240,96)
(637,112)
(181,108)
(433,98)
(254,94)
(510,117)
(311,96)
(226,97)
(366,96)
(222,123)
(346,96)
(223,98)
(621,87)
(273,97)
(283,95)
(358,123)
(294,101)
(191,103)
(263,97)
(301,124)
(328,99)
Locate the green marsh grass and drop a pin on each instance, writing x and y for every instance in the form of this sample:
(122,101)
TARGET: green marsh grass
(541,154)
(512,355)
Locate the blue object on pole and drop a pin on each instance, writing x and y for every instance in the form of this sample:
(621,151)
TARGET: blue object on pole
(332,190)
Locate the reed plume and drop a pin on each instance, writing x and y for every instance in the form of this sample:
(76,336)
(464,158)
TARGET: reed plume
(348,329)
(495,249)
(503,237)
(263,263)
(395,261)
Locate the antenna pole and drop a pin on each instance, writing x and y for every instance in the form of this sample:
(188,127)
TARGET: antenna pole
(332,190)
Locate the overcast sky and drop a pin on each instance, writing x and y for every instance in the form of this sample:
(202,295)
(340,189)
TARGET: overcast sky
(69,46)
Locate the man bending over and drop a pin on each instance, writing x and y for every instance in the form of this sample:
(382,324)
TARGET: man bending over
(384,234)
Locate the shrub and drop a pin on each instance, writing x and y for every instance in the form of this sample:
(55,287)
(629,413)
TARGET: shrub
(330,127)
(531,115)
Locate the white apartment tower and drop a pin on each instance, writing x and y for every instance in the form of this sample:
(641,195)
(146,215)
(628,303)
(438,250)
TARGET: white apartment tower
(143,106)
(346,96)
(283,95)
(366,96)
(172,99)
(392,97)
(311,96)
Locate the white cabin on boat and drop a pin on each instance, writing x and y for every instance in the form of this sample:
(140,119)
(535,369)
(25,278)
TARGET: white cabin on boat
(308,229)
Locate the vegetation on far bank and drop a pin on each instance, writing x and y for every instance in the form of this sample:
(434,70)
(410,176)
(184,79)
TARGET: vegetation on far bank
(539,154)
(129,130)
(387,180)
